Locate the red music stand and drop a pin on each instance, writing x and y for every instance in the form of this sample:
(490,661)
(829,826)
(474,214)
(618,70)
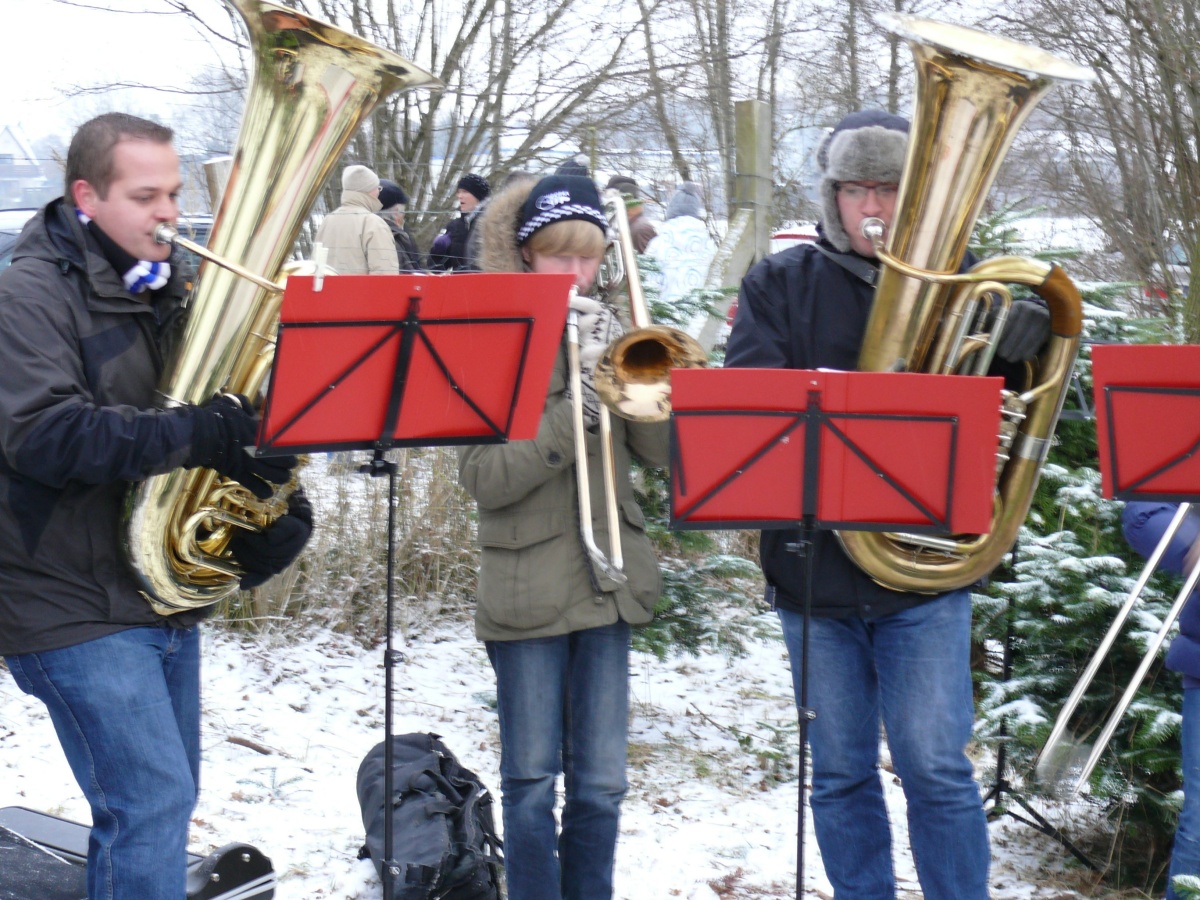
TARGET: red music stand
(788,448)
(865,451)
(377,362)
(371,362)
(1148,420)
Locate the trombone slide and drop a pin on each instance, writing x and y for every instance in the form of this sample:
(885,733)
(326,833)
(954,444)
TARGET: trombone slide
(1046,759)
(612,564)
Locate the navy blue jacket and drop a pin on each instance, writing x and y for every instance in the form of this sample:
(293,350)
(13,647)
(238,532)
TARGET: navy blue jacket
(82,361)
(1144,523)
(800,310)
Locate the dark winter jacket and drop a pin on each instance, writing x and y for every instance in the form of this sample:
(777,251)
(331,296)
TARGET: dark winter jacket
(82,358)
(449,250)
(800,310)
(406,248)
(535,579)
(1144,524)
(642,230)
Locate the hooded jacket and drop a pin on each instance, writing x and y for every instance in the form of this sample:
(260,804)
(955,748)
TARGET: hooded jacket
(83,359)
(358,241)
(535,579)
(800,310)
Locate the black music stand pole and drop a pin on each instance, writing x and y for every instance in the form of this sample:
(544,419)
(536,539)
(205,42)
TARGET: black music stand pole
(808,549)
(380,467)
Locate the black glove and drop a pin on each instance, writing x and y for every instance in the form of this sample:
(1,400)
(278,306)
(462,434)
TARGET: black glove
(223,434)
(1027,329)
(262,554)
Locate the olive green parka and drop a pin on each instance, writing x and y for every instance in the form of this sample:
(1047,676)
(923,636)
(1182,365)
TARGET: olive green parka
(535,579)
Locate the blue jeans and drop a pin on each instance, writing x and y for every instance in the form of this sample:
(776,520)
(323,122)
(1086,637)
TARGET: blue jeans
(1185,857)
(564,707)
(910,670)
(126,708)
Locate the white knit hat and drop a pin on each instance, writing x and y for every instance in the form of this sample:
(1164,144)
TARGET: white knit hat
(359,178)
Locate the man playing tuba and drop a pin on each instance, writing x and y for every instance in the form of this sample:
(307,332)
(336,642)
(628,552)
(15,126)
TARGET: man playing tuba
(875,654)
(88,310)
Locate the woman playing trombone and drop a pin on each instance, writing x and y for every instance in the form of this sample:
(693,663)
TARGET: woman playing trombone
(556,620)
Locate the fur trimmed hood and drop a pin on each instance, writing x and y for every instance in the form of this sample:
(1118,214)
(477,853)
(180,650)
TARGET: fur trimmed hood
(498,249)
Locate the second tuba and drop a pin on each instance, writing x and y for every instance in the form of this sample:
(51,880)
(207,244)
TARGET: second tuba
(974,90)
(312,86)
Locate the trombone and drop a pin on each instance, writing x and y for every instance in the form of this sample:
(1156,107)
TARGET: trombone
(612,564)
(1052,762)
(632,379)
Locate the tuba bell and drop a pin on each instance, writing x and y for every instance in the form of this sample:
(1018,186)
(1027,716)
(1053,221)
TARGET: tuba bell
(974,90)
(312,86)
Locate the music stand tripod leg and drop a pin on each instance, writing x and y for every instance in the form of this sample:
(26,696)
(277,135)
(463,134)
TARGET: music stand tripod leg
(1001,786)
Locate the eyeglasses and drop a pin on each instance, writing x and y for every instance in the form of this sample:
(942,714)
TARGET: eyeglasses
(884,193)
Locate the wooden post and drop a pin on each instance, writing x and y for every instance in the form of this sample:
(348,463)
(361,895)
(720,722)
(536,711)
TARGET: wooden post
(748,236)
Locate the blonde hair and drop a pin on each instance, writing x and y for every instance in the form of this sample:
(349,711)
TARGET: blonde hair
(573,237)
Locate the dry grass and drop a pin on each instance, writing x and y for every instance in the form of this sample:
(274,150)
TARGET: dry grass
(340,580)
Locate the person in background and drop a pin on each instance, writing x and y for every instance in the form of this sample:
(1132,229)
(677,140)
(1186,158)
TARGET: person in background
(89,309)
(1144,524)
(576,165)
(555,625)
(875,654)
(393,202)
(449,250)
(640,227)
(358,242)
(475,238)
(682,248)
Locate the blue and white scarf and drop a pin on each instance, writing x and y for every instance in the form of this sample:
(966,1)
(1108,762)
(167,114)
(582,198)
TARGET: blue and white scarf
(138,274)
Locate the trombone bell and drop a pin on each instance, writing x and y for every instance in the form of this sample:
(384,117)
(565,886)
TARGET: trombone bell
(633,377)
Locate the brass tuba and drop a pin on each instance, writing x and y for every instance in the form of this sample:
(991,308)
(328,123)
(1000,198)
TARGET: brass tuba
(974,90)
(312,86)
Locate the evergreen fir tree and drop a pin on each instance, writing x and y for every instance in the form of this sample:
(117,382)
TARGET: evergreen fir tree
(710,592)
(1070,573)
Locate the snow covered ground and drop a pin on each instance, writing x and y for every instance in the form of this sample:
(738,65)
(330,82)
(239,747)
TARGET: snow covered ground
(711,811)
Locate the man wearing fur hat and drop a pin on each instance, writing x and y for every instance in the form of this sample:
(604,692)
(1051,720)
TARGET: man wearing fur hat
(449,250)
(875,654)
(357,240)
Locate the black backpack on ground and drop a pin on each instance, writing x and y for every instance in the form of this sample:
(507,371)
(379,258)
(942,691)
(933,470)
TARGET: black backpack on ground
(443,832)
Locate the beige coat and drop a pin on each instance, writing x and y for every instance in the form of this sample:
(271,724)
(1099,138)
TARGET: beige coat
(357,241)
(534,578)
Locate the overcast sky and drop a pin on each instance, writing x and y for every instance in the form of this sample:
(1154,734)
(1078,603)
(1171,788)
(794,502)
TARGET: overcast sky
(52,46)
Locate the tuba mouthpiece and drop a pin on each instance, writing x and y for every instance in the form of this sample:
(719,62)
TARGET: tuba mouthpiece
(165,233)
(873,229)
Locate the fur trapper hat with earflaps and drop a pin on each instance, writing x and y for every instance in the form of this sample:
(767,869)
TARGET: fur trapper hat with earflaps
(864,146)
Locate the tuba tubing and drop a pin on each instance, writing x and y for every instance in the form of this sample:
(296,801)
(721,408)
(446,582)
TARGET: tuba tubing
(974,90)
(311,87)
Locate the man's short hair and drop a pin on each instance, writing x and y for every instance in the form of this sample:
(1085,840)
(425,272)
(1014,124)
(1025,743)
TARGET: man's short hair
(90,156)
